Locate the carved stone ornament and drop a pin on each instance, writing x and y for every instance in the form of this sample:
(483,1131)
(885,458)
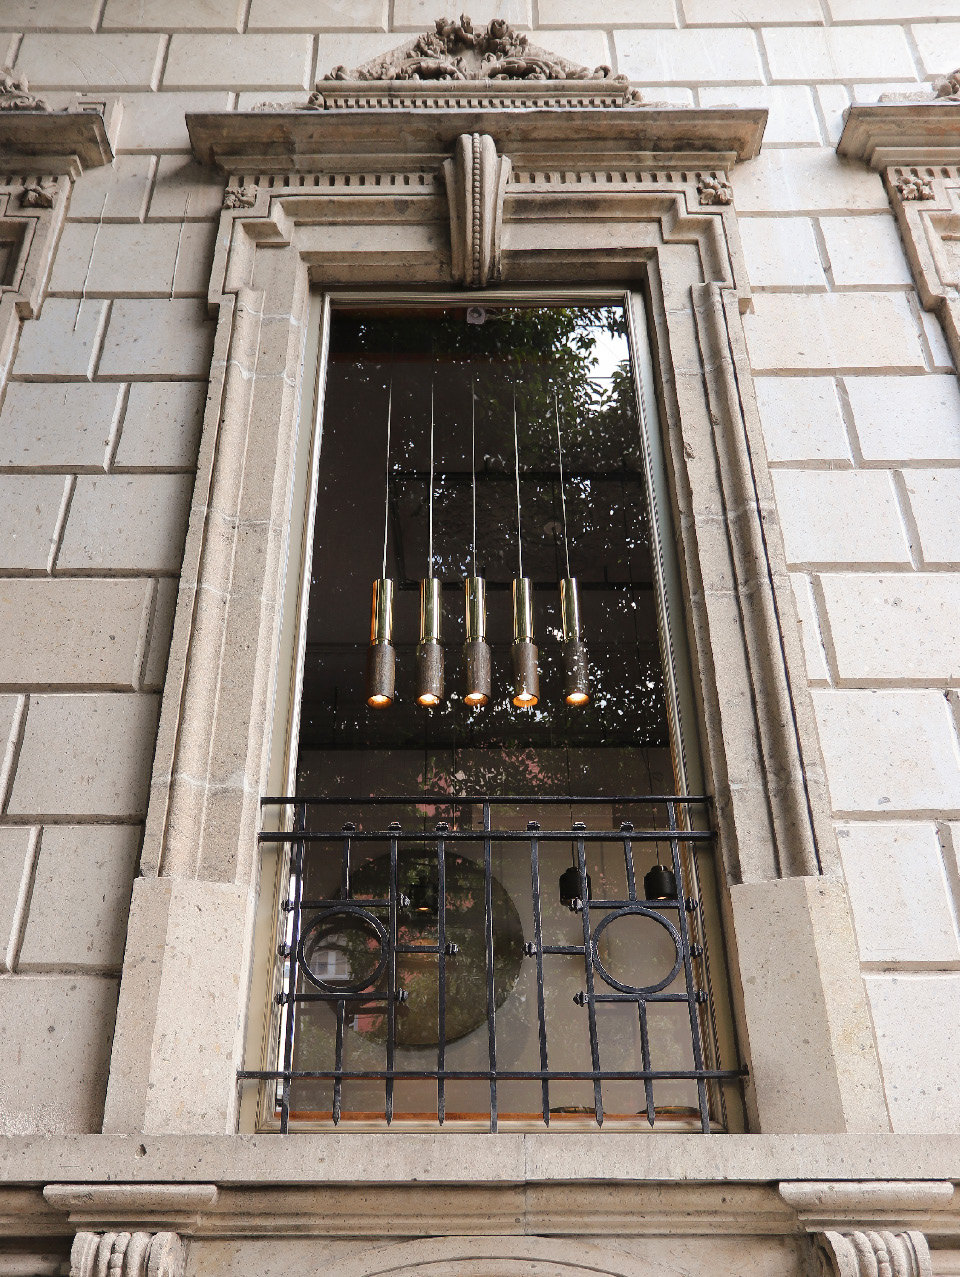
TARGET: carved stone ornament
(459,54)
(949,89)
(914,187)
(127,1255)
(874,1254)
(39,194)
(15,94)
(476,181)
(240,197)
(714,190)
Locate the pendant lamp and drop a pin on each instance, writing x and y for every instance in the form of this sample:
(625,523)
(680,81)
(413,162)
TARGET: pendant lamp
(429,649)
(526,675)
(381,657)
(576,678)
(476,650)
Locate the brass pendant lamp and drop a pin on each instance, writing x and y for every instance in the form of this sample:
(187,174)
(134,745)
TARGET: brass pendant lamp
(476,650)
(381,656)
(429,650)
(576,677)
(526,675)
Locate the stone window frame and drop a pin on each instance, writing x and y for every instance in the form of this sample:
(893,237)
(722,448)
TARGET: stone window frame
(392,198)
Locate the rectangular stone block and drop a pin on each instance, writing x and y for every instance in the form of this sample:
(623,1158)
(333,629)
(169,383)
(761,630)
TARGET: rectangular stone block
(840,516)
(238,62)
(689,56)
(936,41)
(934,500)
(183,189)
(124,184)
(86,755)
(865,251)
(161,426)
(589,48)
(62,1025)
(817,670)
(315,15)
(161,631)
(888,751)
(29,506)
(352,51)
(132,260)
(834,100)
(16,865)
(134,523)
(899,892)
(155,121)
(802,419)
(419,16)
(90,62)
(173,15)
(806,179)
(737,12)
(833,331)
(899,626)
(60,632)
(50,15)
(81,897)
(792,120)
(58,424)
(906,418)
(63,342)
(918,1037)
(782,252)
(837,53)
(890,10)
(166,338)
(614,13)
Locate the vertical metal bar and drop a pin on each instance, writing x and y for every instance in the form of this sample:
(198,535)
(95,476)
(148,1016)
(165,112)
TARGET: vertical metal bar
(538,951)
(688,968)
(645,1059)
(441,979)
(627,828)
(391,979)
(348,829)
(491,993)
(338,1063)
(296,883)
(588,970)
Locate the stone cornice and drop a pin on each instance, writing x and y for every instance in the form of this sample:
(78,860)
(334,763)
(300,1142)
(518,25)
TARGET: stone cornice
(305,141)
(889,133)
(55,142)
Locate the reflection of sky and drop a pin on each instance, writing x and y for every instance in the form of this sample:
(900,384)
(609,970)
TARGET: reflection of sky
(609,352)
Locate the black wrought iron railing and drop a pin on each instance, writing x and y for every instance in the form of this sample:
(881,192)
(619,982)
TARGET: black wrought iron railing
(452,969)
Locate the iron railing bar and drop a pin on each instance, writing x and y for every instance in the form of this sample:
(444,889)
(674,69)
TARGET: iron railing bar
(688,971)
(645,1057)
(628,863)
(491,993)
(509,1075)
(588,975)
(538,953)
(299,818)
(338,1079)
(441,978)
(391,985)
(497,835)
(477,800)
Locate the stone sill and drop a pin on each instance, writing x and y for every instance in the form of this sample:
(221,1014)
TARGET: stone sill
(902,133)
(265,141)
(497,1160)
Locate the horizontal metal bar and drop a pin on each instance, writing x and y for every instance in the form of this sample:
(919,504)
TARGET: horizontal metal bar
(501,1075)
(494,835)
(450,800)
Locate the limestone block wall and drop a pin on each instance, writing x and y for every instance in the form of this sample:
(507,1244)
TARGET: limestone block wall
(99,423)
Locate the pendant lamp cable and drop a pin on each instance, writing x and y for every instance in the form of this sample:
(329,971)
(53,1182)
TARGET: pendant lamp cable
(563,499)
(516,460)
(386,486)
(473,466)
(430,504)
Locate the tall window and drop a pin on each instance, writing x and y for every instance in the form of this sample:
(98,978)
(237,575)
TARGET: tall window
(498,869)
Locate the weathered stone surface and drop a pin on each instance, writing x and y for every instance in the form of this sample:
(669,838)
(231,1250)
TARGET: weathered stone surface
(62,1024)
(897,627)
(124,184)
(55,425)
(806,179)
(899,891)
(782,252)
(934,501)
(61,632)
(183,189)
(793,117)
(918,1037)
(724,56)
(173,15)
(80,899)
(317,15)
(906,418)
(161,426)
(86,755)
(157,338)
(845,331)
(64,341)
(133,522)
(812,643)
(837,53)
(132,260)
(906,751)
(155,121)
(16,860)
(802,420)
(238,62)
(417,15)
(935,39)
(840,517)
(618,13)
(29,506)
(865,251)
(87,62)
(62,15)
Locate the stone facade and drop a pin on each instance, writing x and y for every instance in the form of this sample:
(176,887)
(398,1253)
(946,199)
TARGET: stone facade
(111,344)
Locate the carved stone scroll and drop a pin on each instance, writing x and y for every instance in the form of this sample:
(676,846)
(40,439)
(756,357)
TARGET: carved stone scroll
(874,1254)
(15,93)
(127,1255)
(476,180)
